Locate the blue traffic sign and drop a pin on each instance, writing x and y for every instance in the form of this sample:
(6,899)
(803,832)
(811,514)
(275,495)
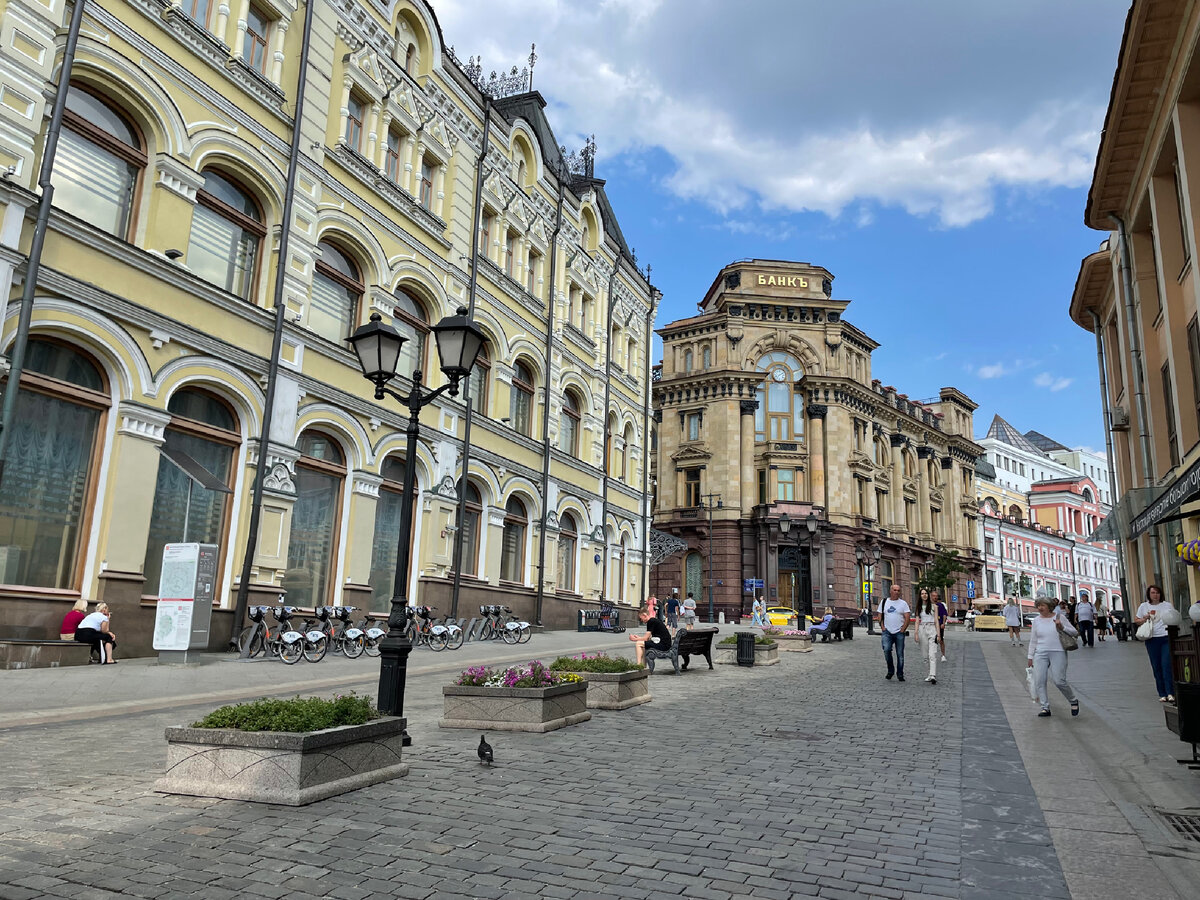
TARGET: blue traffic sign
(970,590)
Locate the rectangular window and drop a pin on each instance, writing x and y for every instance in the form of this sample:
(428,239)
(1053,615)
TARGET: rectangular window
(1169,411)
(859,429)
(880,506)
(762,486)
(485,235)
(1184,243)
(991,582)
(989,546)
(254,47)
(510,251)
(691,423)
(910,514)
(198,11)
(426,197)
(787,484)
(691,488)
(1112,352)
(1193,339)
(391,158)
(356,111)
(531,274)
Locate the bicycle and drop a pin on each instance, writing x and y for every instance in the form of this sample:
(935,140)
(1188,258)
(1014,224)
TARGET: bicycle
(316,641)
(422,630)
(372,633)
(489,629)
(350,640)
(283,642)
(513,625)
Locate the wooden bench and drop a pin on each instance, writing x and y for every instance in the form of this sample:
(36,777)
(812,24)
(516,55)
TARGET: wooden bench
(687,642)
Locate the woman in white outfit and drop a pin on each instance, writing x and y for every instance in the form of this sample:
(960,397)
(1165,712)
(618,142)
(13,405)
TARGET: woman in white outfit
(1012,618)
(1047,656)
(926,615)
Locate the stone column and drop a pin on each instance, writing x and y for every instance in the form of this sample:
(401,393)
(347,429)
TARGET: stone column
(239,41)
(406,172)
(925,516)
(897,441)
(417,159)
(439,190)
(221,24)
(951,518)
(134,461)
(494,519)
(749,481)
(275,72)
(818,489)
(360,539)
(385,124)
(372,128)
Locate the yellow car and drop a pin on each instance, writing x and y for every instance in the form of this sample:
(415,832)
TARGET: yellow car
(990,620)
(779,615)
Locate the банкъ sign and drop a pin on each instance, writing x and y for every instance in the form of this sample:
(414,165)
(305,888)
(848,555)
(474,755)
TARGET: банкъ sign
(1185,487)
(796,281)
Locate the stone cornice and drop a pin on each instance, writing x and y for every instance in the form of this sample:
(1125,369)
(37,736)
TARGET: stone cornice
(143,422)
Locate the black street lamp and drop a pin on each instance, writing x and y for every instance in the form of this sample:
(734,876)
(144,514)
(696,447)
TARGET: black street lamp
(860,554)
(811,523)
(712,501)
(378,347)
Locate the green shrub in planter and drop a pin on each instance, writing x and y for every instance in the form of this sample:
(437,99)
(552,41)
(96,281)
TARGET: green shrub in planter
(597,663)
(759,640)
(300,714)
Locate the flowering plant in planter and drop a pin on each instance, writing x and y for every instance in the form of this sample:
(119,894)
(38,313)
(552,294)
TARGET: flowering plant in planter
(531,675)
(595,662)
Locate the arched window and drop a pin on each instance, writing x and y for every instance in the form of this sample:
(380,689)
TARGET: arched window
(312,549)
(99,163)
(568,541)
(337,289)
(512,548)
(522,174)
(412,321)
(568,427)
(627,456)
(479,381)
(227,228)
(203,429)
(521,407)
(780,413)
(585,239)
(1087,495)
(692,568)
(47,493)
(469,529)
(388,511)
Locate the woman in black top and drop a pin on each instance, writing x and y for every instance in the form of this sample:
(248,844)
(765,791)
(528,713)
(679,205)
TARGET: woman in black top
(657,634)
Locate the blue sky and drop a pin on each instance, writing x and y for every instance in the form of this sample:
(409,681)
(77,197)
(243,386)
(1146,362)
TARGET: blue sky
(934,156)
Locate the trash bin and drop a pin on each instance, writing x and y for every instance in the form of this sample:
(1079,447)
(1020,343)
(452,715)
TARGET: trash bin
(1187,695)
(745,648)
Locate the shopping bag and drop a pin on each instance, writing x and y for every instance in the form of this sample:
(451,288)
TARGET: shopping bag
(1029,683)
(1145,631)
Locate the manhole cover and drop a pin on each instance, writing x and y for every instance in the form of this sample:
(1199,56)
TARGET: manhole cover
(791,734)
(1187,826)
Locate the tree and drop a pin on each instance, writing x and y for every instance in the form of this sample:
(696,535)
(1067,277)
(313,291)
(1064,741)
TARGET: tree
(941,572)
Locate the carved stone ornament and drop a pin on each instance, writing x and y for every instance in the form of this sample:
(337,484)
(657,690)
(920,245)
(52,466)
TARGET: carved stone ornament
(750,407)
(446,488)
(817,410)
(279,479)
(898,440)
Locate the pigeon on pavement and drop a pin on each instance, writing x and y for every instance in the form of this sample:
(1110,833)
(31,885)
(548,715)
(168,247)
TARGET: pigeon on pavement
(485,751)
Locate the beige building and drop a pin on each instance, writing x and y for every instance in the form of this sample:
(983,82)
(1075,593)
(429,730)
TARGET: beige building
(766,405)
(152,324)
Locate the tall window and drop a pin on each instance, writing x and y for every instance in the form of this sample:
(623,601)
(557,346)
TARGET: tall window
(1169,412)
(691,423)
(198,11)
(687,360)
(479,381)
(99,163)
(691,488)
(512,547)
(47,492)
(510,253)
(1181,206)
(568,541)
(410,59)
(469,530)
(312,549)
(1193,341)
(426,193)
(485,234)
(568,429)
(254,46)
(204,429)
(706,357)
(391,156)
(355,113)
(521,407)
(387,533)
(786,479)
(627,455)
(780,413)
(227,228)
(531,275)
(337,289)
(411,320)
(884,576)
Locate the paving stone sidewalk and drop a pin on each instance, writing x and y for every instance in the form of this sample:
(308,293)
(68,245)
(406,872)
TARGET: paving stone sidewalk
(813,778)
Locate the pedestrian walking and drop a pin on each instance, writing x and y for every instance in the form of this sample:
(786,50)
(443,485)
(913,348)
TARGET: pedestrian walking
(689,610)
(943,614)
(1101,620)
(1046,655)
(1157,645)
(894,616)
(1085,621)
(1063,611)
(970,619)
(672,606)
(760,611)
(927,632)
(1012,618)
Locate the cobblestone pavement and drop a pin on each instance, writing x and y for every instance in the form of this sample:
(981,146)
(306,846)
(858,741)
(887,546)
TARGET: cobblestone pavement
(813,778)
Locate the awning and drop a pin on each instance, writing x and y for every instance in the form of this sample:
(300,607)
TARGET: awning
(1186,487)
(194,470)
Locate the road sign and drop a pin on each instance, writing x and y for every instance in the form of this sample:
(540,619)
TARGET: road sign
(750,585)
(954,598)
(866,589)
(970,590)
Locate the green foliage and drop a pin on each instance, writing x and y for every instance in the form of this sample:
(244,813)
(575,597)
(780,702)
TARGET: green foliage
(759,640)
(941,572)
(597,663)
(300,714)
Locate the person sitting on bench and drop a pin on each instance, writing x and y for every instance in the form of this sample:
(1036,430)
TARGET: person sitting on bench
(822,627)
(657,634)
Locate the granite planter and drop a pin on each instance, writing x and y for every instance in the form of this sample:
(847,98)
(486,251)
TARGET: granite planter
(764,654)
(617,690)
(288,768)
(514,709)
(792,638)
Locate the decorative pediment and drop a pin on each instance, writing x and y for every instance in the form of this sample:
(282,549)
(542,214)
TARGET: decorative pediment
(690,454)
(910,488)
(860,462)
(935,496)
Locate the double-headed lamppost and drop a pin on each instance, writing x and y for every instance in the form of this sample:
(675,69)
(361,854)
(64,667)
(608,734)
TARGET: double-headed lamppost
(860,554)
(378,348)
(711,502)
(803,604)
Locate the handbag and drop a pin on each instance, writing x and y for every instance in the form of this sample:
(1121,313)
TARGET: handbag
(1145,631)
(1068,641)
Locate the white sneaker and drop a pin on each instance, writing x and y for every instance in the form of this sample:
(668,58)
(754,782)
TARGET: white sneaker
(928,677)
(943,659)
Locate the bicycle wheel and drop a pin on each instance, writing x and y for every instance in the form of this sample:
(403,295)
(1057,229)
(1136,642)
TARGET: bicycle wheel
(314,651)
(352,648)
(437,642)
(525,634)
(371,646)
(454,639)
(291,653)
(253,634)
(510,635)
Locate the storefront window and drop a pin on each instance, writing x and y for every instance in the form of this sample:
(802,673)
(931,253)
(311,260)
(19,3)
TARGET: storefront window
(387,533)
(312,549)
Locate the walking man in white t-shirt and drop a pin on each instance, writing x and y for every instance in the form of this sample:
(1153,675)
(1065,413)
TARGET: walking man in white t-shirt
(894,614)
(1085,621)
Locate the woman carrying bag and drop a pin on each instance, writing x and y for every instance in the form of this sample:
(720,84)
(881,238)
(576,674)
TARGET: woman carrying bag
(1153,631)
(1048,654)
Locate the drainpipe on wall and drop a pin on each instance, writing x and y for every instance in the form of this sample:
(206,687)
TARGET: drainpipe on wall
(264,440)
(1108,447)
(469,417)
(49,150)
(541,566)
(608,438)
(1139,381)
(646,448)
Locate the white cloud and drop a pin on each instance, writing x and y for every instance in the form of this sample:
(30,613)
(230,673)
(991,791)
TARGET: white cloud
(790,105)
(994,370)
(1052,382)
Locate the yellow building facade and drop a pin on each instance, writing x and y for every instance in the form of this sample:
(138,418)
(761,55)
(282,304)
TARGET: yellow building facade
(153,318)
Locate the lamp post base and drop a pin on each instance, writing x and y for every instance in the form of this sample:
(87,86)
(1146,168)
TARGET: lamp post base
(393,671)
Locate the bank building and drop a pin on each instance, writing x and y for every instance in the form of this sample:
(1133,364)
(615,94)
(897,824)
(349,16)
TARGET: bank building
(783,462)
(152,325)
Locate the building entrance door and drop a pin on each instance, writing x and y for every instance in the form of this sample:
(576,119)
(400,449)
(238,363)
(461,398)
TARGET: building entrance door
(795,579)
